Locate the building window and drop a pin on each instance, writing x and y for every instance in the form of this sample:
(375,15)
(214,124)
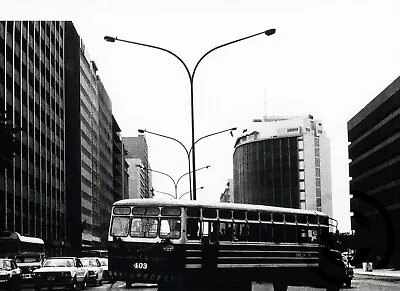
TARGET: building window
(318,192)
(301,144)
(302,185)
(318,182)
(316,140)
(301,164)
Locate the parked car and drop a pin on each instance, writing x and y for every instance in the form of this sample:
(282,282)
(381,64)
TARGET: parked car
(95,270)
(10,274)
(104,264)
(61,272)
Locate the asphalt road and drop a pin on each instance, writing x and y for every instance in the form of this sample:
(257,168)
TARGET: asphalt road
(359,283)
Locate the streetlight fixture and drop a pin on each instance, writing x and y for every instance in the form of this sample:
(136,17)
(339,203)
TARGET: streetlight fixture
(267,32)
(173,180)
(199,188)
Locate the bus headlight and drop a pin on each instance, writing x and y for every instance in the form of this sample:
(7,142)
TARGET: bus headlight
(168,248)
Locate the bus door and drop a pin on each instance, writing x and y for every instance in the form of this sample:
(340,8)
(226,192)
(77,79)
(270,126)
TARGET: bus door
(210,243)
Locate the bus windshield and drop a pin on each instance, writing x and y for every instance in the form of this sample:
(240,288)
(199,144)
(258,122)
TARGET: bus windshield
(146,227)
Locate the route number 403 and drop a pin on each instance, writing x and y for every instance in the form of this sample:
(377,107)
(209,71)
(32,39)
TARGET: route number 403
(140,265)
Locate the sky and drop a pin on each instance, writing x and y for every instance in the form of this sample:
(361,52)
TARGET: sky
(327,58)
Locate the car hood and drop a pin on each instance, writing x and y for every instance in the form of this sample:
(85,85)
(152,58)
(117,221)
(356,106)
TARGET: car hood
(53,269)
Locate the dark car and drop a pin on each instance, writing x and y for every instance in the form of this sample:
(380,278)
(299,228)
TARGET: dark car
(10,275)
(28,263)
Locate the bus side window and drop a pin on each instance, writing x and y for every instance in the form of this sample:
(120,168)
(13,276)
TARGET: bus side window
(303,235)
(193,228)
(254,232)
(291,234)
(225,231)
(266,232)
(279,233)
(240,232)
(214,231)
(204,228)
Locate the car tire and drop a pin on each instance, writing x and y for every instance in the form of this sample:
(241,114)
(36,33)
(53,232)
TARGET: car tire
(348,284)
(74,285)
(128,284)
(84,283)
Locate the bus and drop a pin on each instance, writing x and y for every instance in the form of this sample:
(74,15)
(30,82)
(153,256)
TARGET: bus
(28,252)
(194,245)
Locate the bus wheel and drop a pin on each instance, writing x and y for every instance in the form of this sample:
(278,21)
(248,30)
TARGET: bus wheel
(333,288)
(280,286)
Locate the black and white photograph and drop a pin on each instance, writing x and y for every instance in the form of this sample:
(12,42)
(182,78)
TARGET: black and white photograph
(200,145)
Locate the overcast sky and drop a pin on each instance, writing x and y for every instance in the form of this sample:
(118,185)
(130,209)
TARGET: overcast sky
(327,58)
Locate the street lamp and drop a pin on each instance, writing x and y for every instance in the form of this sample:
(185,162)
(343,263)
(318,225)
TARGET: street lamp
(199,188)
(173,180)
(211,134)
(191,78)
(174,139)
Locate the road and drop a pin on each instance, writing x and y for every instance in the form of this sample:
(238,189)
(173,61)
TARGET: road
(359,283)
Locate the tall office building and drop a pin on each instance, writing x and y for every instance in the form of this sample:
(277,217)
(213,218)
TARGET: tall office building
(139,178)
(283,161)
(89,148)
(374,169)
(32,190)
(120,165)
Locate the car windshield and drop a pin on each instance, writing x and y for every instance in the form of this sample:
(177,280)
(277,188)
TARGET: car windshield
(5,265)
(89,262)
(58,263)
(21,259)
(104,262)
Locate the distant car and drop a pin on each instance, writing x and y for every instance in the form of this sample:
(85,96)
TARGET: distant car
(104,264)
(10,274)
(61,272)
(95,270)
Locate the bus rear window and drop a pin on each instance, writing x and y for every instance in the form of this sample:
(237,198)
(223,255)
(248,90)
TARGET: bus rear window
(144,227)
(122,210)
(170,211)
(147,211)
(120,226)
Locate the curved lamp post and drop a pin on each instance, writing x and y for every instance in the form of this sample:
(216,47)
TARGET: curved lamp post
(191,78)
(174,139)
(173,180)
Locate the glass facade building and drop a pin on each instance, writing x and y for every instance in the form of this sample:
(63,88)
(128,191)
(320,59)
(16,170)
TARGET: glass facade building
(283,161)
(32,78)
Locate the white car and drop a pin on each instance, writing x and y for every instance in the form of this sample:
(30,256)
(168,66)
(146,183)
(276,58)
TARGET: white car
(104,264)
(95,270)
(10,274)
(61,272)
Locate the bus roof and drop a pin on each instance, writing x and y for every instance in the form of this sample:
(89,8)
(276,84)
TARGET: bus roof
(16,236)
(235,206)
